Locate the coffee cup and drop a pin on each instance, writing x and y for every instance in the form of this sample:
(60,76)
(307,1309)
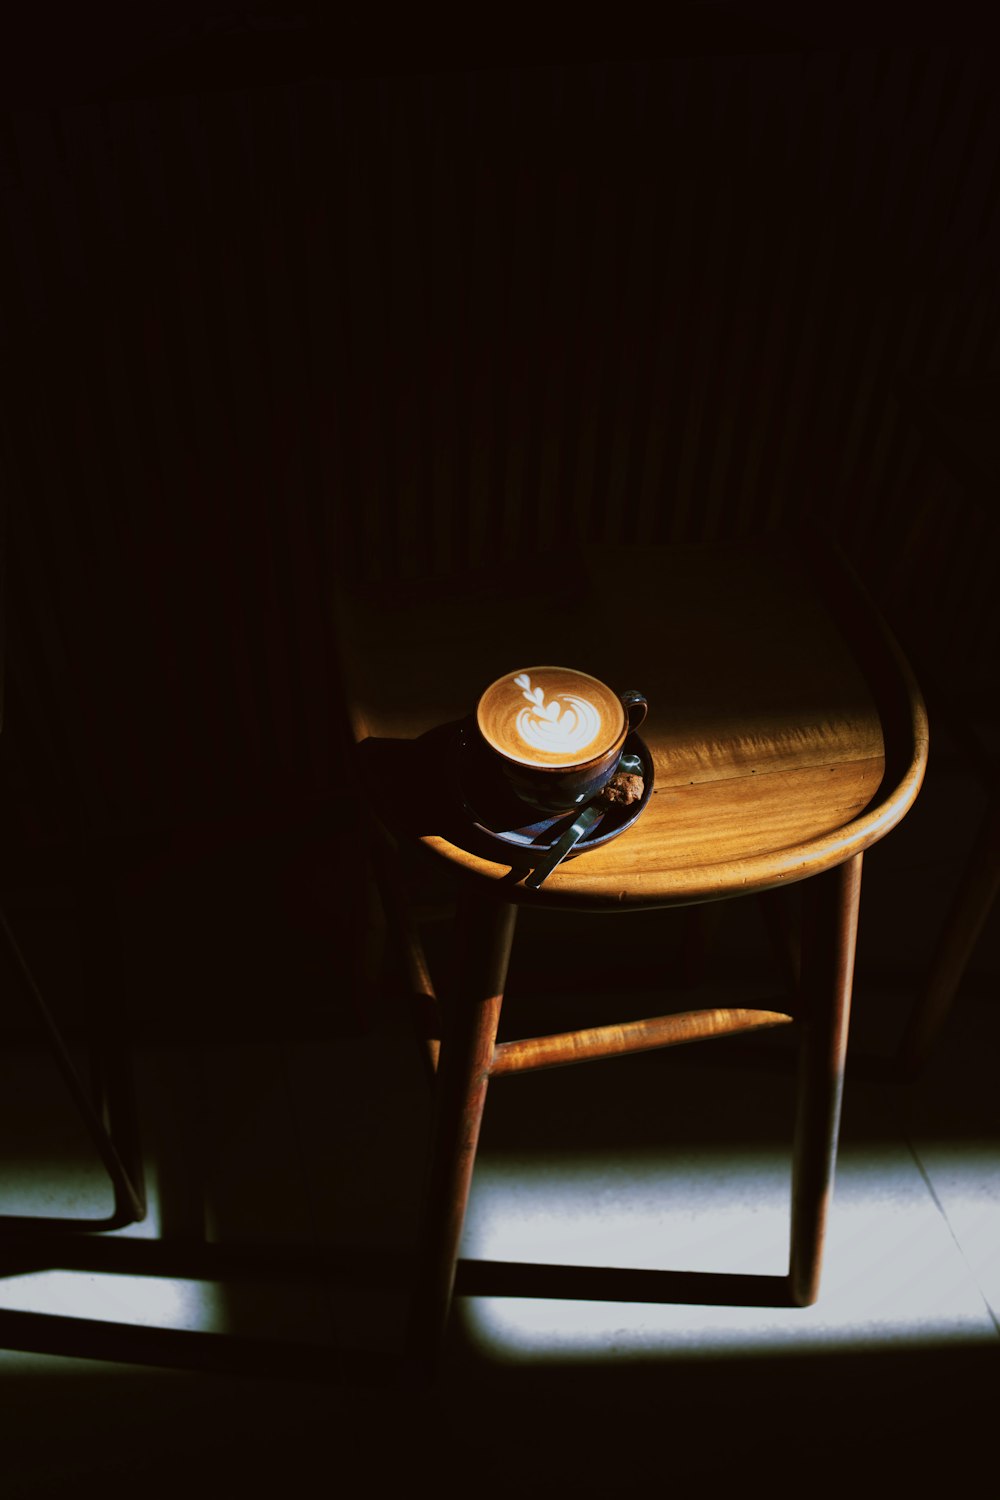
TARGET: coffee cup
(556,734)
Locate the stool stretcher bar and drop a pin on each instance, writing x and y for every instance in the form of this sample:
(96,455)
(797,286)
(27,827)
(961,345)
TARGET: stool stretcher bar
(632,1036)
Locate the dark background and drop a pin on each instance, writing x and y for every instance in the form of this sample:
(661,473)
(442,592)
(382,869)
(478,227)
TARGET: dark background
(284,296)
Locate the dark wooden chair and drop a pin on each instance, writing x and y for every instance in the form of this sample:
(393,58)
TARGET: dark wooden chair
(786,736)
(167,712)
(941,593)
(103,1102)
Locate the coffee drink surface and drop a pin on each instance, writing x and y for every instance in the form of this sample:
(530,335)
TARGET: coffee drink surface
(550,716)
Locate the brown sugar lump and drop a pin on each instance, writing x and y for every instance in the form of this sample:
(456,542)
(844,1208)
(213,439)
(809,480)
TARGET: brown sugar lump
(623,790)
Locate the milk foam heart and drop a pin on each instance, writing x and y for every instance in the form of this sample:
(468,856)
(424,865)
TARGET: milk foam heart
(550,716)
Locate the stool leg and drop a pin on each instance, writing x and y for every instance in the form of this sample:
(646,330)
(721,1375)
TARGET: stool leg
(827,974)
(485,932)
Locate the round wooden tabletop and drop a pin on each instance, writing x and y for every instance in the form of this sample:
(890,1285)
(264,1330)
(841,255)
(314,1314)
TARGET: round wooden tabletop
(785,729)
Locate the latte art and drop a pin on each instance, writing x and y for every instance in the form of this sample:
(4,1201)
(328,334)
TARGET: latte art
(550,717)
(564,724)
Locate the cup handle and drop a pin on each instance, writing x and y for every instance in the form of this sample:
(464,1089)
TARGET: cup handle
(636,707)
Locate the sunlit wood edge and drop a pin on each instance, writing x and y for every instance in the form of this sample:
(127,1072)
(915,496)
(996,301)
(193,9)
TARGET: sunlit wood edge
(573,889)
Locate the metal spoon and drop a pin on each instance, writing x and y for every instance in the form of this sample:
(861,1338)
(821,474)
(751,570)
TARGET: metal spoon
(584,821)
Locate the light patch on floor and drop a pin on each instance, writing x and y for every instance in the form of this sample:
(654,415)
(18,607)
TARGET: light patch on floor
(141,1301)
(965,1181)
(891,1274)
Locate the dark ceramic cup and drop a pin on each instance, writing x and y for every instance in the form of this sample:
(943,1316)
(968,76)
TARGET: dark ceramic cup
(556,734)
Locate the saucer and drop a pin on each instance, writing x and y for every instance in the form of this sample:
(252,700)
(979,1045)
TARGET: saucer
(514,828)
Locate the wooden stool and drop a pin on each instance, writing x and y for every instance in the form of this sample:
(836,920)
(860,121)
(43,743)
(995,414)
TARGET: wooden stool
(786,735)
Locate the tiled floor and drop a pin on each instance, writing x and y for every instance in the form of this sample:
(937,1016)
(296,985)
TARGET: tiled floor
(296,1154)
